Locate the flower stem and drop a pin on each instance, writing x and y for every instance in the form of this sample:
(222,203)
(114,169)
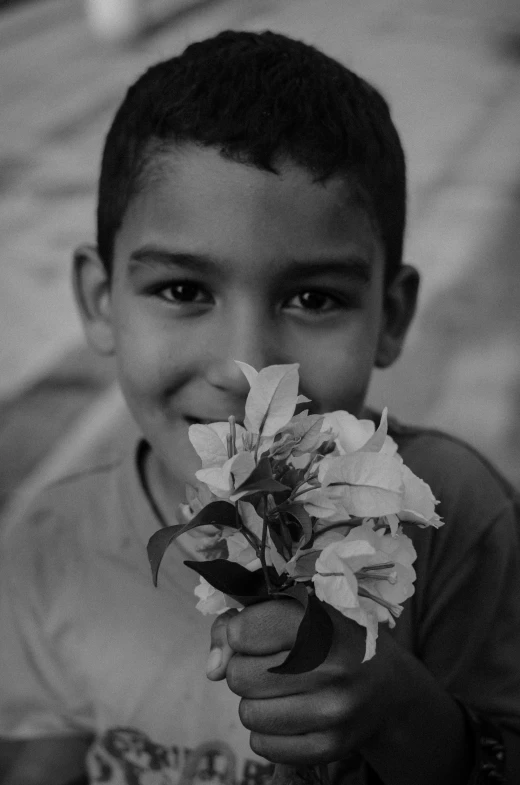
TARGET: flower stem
(249,535)
(310,467)
(232,438)
(263,546)
(229,446)
(395,610)
(350,522)
(298,490)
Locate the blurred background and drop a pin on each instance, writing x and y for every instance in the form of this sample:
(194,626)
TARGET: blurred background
(451,71)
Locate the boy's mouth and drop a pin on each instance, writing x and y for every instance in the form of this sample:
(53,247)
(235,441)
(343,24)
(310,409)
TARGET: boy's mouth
(198,420)
(208,420)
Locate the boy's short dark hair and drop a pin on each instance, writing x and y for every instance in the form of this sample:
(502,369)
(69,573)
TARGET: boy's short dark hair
(258,98)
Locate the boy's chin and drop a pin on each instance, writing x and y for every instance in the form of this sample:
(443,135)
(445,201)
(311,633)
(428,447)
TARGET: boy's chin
(175,471)
(180,476)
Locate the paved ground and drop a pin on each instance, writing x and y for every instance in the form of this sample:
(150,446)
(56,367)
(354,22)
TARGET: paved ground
(451,70)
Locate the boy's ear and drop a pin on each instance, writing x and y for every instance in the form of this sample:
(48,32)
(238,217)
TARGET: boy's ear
(400,300)
(91,284)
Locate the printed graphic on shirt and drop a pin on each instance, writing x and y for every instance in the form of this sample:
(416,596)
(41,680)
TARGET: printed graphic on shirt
(126,756)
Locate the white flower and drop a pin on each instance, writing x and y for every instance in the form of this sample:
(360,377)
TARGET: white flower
(366,576)
(362,484)
(316,501)
(222,480)
(418,503)
(272,398)
(210,442)
(352,434)
(371,484)
(212,601)
(240,550)
(362,571)
(325,536)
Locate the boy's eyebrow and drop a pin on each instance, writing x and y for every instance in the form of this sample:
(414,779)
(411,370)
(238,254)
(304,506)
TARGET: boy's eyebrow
(150,254)
(352,265)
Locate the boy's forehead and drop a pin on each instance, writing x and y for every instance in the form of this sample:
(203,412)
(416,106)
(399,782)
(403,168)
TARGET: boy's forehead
(194,194)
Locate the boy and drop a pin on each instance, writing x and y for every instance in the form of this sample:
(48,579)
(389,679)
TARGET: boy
(251,207)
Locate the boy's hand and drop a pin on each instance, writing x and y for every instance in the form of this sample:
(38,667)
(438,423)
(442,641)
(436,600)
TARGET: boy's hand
(390,709)
(313,717)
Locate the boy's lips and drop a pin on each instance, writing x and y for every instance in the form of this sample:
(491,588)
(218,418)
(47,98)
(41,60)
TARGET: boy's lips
(208,420)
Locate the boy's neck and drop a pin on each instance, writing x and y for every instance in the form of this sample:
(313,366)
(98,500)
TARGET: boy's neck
(165,497)
(164,494)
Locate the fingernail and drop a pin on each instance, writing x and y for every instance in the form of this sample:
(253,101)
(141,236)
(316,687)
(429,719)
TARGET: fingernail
(214,660)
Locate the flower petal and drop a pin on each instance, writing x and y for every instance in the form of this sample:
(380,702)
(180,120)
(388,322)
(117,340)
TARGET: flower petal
(351,433)
(366,619)
(272,399)
(241,466)
(368,484)
(208,445)
(239,549)
(212,601)
(218,479)
(249,372)
(340,591)
(418,501)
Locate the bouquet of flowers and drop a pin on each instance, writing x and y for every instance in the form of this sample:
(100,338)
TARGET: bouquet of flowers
(308,506)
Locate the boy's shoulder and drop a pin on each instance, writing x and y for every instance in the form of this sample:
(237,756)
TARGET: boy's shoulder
(441,452)
(73,496)
(68,519)
(464,481)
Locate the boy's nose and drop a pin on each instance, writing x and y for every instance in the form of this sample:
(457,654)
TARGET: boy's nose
(225,375)
(250,340)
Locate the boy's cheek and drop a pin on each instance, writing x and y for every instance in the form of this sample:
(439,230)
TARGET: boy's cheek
(340,387)
(147,371)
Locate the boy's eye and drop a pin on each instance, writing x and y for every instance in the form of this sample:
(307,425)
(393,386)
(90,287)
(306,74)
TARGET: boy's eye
(316,301)
(184,292)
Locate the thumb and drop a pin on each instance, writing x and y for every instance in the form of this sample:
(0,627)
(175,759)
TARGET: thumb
(220,650)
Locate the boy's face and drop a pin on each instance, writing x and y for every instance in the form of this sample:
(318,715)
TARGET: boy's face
(217,261)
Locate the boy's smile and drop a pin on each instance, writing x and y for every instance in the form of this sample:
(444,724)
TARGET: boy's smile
(219,261)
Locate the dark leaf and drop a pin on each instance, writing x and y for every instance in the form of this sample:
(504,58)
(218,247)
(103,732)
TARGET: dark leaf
(262,486)
(232,579)
(289,533)
(275,579)
(262,471)
(291,476)
(159,543)
(260,478)
(218,513)
(300,514)
(313,640)
(278,542)
(297,592)
(326,447)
